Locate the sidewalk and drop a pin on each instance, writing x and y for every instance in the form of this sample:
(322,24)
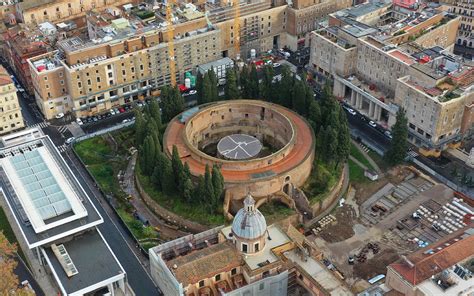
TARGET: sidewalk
(129,188)
(369,159)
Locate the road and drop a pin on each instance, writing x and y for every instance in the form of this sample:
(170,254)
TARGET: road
(119,240)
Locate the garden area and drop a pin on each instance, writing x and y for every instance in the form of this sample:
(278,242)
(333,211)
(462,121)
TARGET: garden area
(9,234)
(105,157)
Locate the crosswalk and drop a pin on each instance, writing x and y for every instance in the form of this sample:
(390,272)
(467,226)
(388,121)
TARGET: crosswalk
(42,124)
(412,154)
(62,129)
(62,148)
(365,148)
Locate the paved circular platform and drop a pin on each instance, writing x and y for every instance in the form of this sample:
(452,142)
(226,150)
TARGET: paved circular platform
(239,147)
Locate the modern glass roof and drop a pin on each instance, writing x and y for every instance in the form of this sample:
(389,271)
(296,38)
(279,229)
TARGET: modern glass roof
(43,190)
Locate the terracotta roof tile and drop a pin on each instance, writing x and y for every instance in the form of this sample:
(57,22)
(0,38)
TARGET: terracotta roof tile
(205,263)
(427,265)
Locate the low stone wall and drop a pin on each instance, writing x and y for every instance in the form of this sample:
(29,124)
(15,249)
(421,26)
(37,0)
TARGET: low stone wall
(166,214)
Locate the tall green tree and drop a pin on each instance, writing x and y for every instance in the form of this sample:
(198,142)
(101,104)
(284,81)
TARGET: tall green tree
(245,87)
(177,166)
(217,184)
(285,87)
(140,128)
(207,89)
(253,83)
(314,116)
(148,152)
(172,102)
(209,189)
(298,97)
(214,85)
(397,151)
(266,87)
(199,86)
(231,88)
(343,139)
(155,113)
(330,142)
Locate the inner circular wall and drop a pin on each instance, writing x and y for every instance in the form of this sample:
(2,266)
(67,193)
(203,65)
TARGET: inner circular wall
(259,120)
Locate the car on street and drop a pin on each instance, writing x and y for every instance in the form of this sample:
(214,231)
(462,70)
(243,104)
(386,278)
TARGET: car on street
(59,115)
(79,121)
(276,65)
(116,110)
(125,120)
(20,89)
(193,92)
(121,110)
(112,111)
(350,110)
(70,140)
(388,134)
(372,124)
(95,119)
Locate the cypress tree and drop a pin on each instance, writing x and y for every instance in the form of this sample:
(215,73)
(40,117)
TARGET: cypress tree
(214,96)
(343,139)
(397,151)
(253,83)
(199,85)
(177,167)
(244,83)
(266,87)
(298,97)
(206,96)
(149,151)
(155,113)
(285,87)
(314,116)
(209,188)
(231,89)
(140,130)
(217,183)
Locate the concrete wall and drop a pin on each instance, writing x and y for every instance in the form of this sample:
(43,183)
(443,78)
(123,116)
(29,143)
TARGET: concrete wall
(163,277)
(276,285)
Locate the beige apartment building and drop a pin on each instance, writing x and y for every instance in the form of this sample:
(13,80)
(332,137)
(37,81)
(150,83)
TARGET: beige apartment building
(369,66)
(127,56)
(435,103)
(33,12)
(10,112)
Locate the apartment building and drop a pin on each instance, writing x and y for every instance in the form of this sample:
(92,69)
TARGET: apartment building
(465,39)
(366,49)
(20,45)
(127,56)
(10,112)
(435,95)
(34,12)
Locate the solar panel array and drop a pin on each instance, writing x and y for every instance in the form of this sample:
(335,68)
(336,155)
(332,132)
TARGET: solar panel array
(46,195)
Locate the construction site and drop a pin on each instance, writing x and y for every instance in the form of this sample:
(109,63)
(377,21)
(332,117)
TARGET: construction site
(360,238)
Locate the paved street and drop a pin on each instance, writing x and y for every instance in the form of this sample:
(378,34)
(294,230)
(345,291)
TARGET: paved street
(121,243)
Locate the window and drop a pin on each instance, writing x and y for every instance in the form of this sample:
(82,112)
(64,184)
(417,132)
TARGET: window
(233,271)
(262,286)
(109,67)
(244,248)
(218,277)
(257,246)
(201,284)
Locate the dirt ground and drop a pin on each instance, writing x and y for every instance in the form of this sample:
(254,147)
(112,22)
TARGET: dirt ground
(366,190)
(376,265)
(341,229)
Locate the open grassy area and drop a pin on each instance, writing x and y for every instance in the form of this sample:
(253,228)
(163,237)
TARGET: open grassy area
(357,154)
(379,160)
(356,173)
(9,234)
(190,211)
(275,211)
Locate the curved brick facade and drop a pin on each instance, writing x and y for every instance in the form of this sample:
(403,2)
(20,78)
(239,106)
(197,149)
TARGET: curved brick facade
(286,130)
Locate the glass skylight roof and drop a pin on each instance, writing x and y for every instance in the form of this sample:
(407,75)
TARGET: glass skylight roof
(46,195)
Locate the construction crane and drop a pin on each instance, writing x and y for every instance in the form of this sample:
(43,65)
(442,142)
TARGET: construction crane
(236,4)
(170,34)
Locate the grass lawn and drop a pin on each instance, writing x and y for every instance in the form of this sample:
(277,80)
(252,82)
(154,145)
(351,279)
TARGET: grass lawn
(190,211)
(9,234)
(379,160)
(275,211)
(356,173)
(355,152)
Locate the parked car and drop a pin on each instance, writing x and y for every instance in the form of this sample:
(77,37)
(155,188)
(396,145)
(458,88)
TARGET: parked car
(79,121)
(125,120)
(116,110)
(350,110)
(95,119)
(372,124)
(121,110)
(388,134)
(112,112)
(59,115)
(70,140)
(276,65)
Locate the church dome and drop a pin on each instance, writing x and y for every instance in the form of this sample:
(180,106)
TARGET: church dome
(249,223)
